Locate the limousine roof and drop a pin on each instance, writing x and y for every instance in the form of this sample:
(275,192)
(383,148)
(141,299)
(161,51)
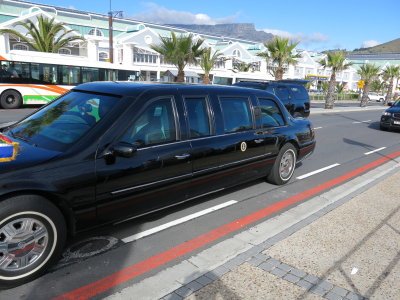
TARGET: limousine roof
(126,88)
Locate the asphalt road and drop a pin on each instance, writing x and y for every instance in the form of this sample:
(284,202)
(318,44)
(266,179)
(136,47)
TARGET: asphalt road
(345,141)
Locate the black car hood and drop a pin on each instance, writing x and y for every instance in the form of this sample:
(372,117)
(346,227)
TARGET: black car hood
(393,109)
(25,156)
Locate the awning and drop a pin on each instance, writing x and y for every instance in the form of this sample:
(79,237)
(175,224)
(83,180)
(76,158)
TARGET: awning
(187,73)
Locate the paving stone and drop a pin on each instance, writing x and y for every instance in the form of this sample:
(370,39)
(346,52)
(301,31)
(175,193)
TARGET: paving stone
(311,278)
(354,296)
(221,270)
(325,285)
(333,296)
(194,286)
(172,296)
(340,291)
(183,291)
(285,267)
(291,278)
(212,275)
(273,262)
(262,256)
(305,284)
(204,280)
(278,272)
(255,261)
(298,273)
(318,290)
(266,266)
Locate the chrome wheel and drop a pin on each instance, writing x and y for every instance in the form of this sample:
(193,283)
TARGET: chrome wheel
(23,242)
(287,163)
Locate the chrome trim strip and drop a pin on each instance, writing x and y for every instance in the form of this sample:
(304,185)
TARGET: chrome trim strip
(187,175)
(149,184)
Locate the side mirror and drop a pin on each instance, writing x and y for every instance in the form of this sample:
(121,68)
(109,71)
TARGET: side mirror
(390,103)
(125,149)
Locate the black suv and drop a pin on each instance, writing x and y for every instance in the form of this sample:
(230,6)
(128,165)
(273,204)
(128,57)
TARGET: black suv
(292,93)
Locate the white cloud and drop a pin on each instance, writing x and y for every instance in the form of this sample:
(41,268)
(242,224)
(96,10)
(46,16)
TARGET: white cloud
(162,15)
(304,39)
(370,43)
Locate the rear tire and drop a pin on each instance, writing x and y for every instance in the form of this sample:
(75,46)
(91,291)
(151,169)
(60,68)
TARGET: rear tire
(10,99)
(284,165)
(32,237)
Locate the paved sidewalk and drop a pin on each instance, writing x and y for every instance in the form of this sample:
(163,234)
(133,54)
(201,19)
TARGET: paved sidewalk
(351,251)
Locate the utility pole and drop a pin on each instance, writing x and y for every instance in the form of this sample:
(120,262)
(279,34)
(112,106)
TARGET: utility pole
(111,15)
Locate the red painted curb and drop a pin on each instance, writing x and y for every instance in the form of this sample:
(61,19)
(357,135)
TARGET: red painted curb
(153,262)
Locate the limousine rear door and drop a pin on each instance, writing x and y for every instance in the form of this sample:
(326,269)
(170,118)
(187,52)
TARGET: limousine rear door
(232,150)
(159,171)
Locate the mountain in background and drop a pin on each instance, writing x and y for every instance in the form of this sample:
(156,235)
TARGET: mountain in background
(245,31)
(389,47)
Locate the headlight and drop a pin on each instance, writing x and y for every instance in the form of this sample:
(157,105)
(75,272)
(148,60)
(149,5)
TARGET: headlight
(386,113)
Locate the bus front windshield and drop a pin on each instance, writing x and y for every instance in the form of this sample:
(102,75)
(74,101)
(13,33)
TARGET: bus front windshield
(63,122)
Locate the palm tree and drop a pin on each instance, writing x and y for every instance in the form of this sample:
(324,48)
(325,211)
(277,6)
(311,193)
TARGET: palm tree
(368,73)
(207,62)
(47,36)
(280,52)
(179,51)
(390,73)
(337,62)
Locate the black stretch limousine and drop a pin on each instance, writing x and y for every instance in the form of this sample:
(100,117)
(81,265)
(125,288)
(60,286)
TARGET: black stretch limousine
(109,151)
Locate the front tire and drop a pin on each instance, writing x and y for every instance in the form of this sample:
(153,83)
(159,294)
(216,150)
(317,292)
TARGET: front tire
(32,237)
(10,99)
(285,163)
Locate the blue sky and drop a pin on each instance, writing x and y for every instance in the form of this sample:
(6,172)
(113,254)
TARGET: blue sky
(318,25)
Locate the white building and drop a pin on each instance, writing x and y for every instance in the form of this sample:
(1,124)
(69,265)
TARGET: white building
(132,52)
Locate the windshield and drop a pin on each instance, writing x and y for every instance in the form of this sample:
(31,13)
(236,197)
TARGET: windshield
(396,104)
(63,122)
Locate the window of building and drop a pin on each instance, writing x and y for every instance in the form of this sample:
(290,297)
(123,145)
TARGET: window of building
(20,47)
(64,51)
(236,113)
(237,53)
(271,115)
(103,56)
(96,32)
(199,121)
(155,125)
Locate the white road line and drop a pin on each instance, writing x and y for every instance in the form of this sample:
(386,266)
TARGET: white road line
(176,222)
(317,127)
(373,151)
(362,122)
(317,171)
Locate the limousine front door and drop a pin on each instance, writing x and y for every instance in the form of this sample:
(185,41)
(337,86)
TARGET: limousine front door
(158,174)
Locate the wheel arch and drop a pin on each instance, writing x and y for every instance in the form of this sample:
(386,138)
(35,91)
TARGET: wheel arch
(60,203)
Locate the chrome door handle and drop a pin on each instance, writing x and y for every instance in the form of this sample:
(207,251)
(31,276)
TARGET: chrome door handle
(182,156)
(259,141)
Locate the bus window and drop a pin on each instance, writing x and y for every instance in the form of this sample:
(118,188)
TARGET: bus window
(90,74)
(71,75)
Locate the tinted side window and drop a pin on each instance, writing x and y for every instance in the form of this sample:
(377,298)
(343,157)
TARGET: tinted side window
(271,115)
(282,93)
(199,121)
(236,113)
(299,92)
(155,125)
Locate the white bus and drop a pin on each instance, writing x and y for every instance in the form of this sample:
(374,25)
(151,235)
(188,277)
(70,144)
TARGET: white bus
(29,82)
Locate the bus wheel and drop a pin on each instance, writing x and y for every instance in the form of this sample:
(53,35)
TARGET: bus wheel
(10,99)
